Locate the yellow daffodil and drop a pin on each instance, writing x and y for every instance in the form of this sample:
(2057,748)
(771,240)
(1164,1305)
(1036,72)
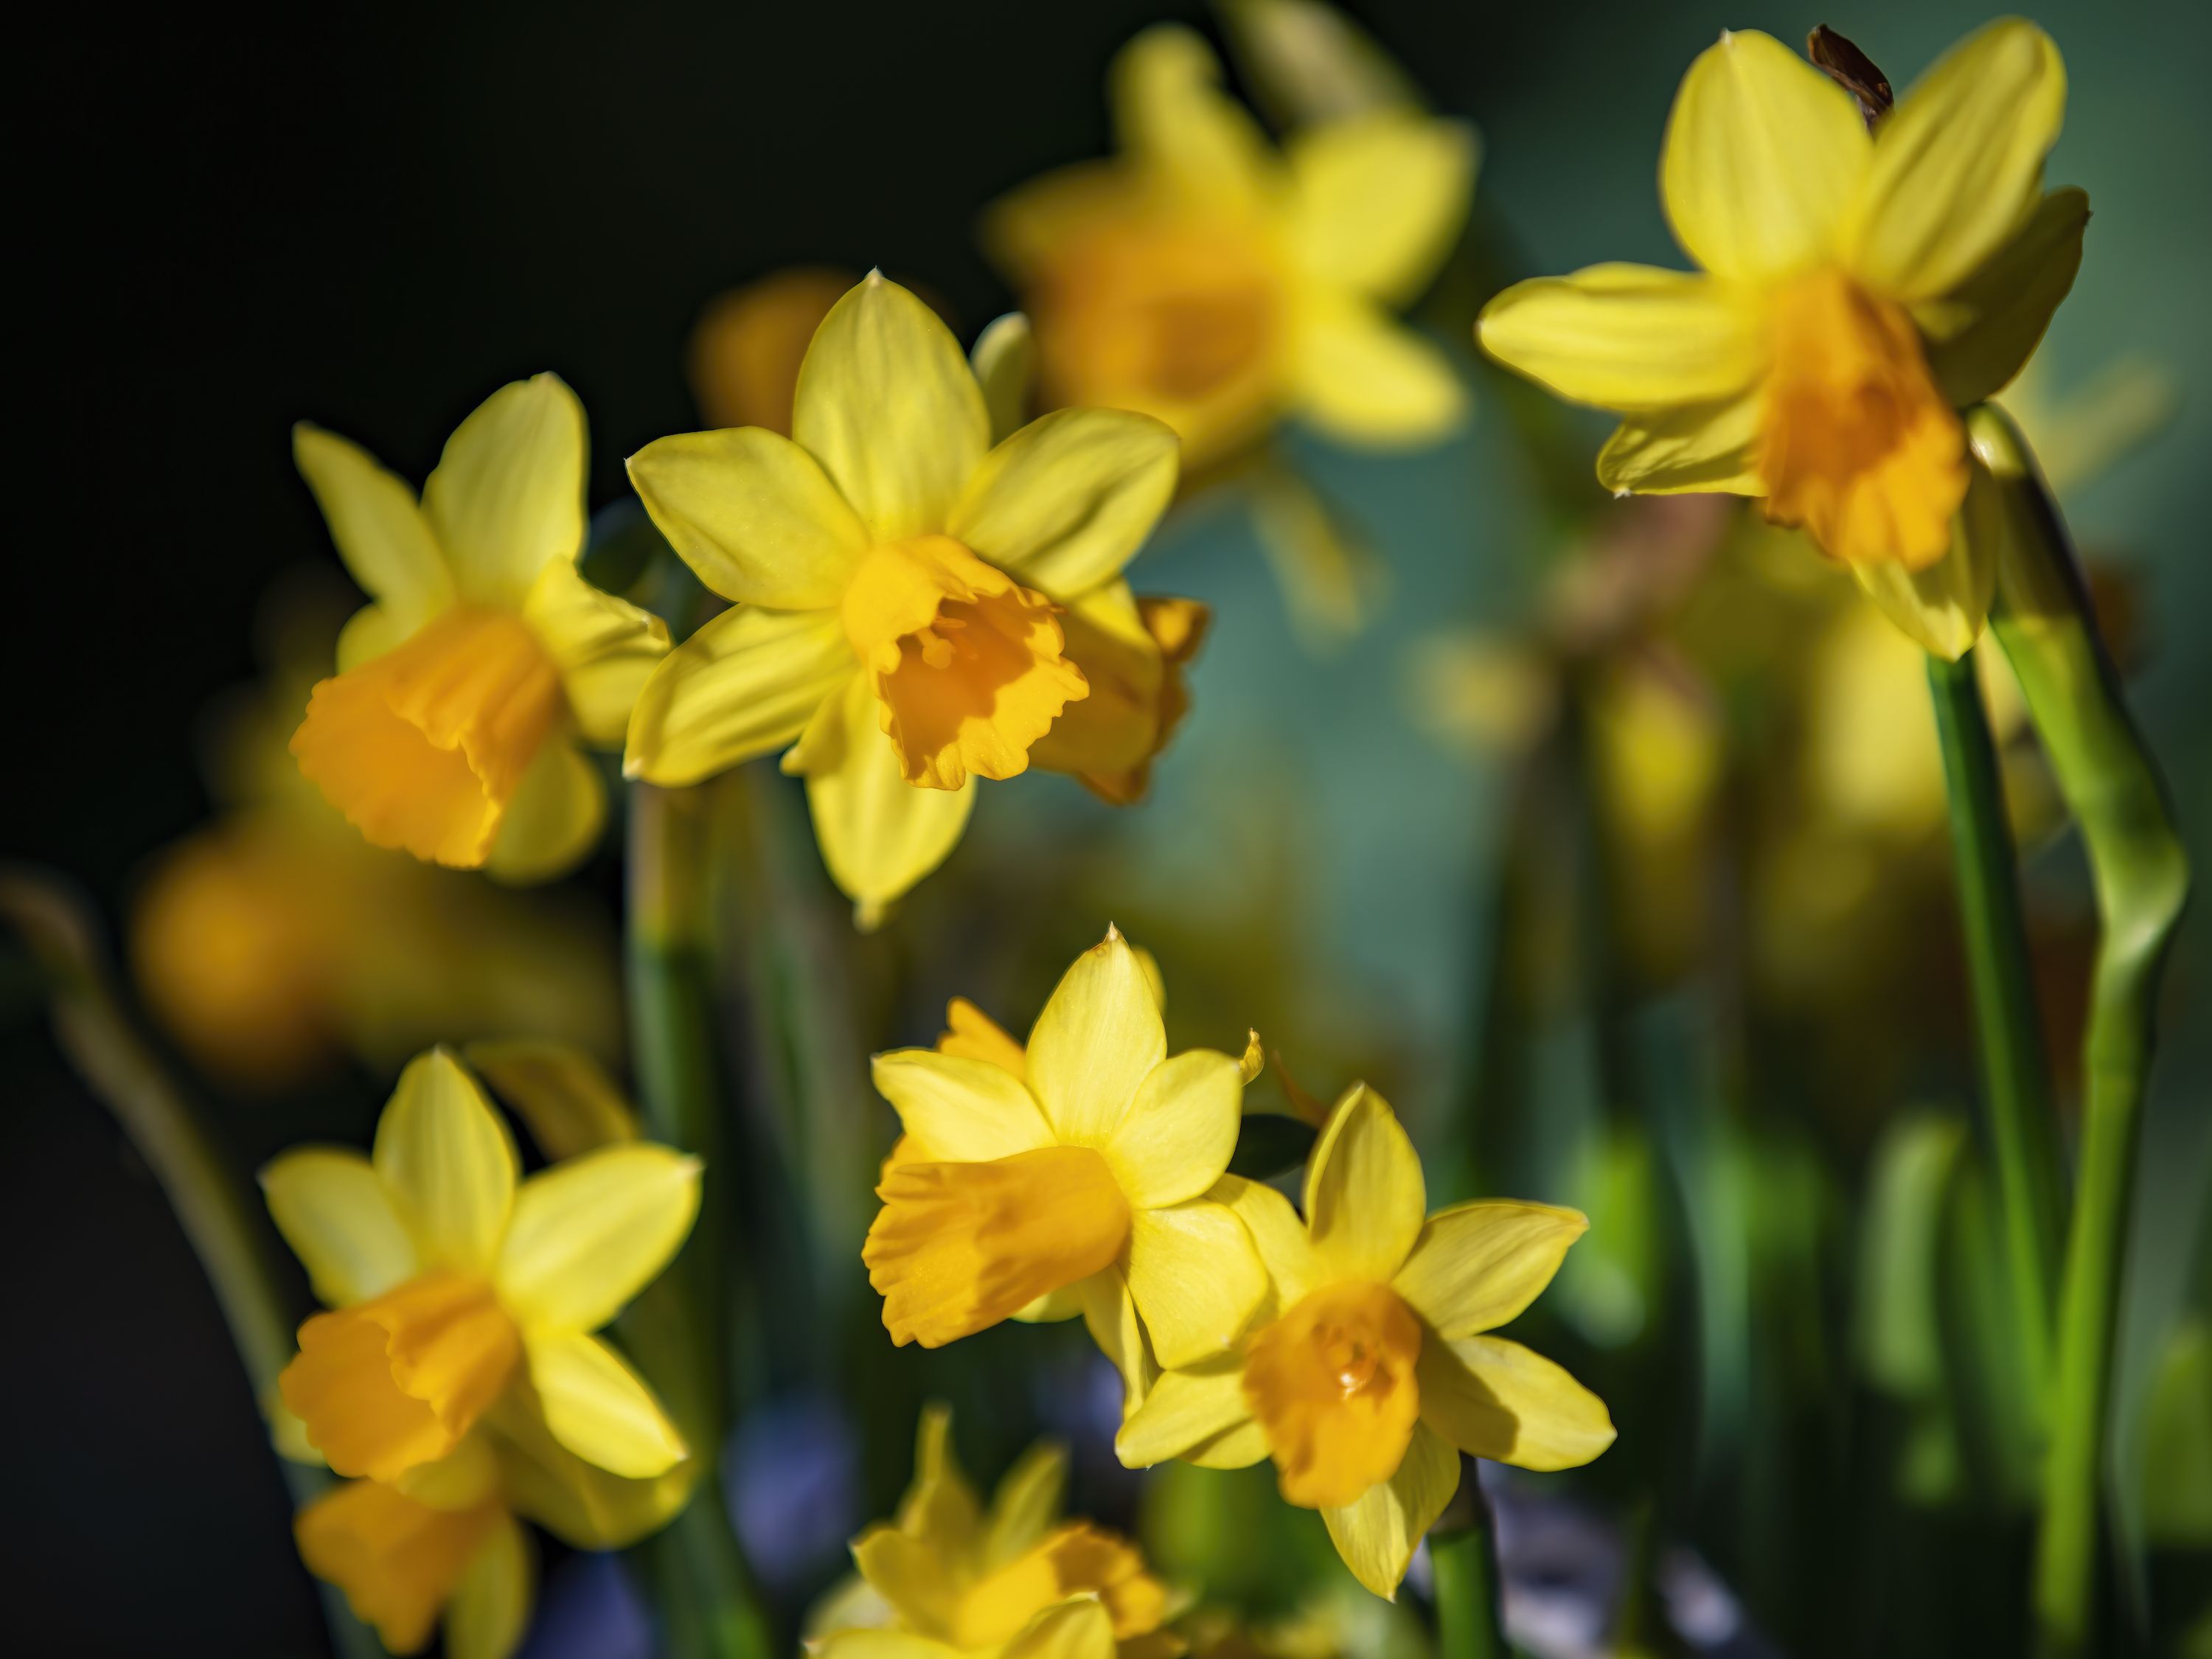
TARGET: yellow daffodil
(1207,279)
(906,590)
(1857,290)
(1369,1372)
(406,1564)
(949,1576)
(462,1296)
(1081,1181)
(462,691)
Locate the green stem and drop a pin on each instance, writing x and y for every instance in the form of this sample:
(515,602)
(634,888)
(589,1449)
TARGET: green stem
(680,1331)
(227,1235)
(2020,1126)
(2044,621)
(1463,1556)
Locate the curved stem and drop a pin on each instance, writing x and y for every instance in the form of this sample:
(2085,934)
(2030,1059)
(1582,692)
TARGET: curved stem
(1463,1556)
(2043,620)
(2018,1120)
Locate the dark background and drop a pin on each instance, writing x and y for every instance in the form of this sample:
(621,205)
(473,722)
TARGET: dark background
(371,216)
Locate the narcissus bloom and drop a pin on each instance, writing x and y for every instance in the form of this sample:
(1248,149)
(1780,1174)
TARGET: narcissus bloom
(451,726)
(1204,277)
(464,1296)
(1015,1580)
(907,591)
(1369,1372)
(1083,1181)
(1858,290)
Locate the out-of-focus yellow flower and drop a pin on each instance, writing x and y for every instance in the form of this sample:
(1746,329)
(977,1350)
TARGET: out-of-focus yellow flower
(1857,291)
(949,1577)
(463,689)
(746,349)
(1083,1182)
(462,1295)
(901,584)
(1369,1371)
(1206,279)
(405,1563)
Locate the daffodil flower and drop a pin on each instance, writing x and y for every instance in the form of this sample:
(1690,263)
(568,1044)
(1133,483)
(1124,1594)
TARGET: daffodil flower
(1210,279)
(1369,1371)
(900,584)
(949,1576)
(463,1296)
(405,1563)
(1857,290)
(451,728)
(1080,1183)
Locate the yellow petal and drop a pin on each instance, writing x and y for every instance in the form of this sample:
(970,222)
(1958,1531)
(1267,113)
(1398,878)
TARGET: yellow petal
(971,1034)
(912,1572)
(1172,119)
(578,1502)
(747,682)
(1182,1410)
(1079,1628)
(333,1210)
(554,819)
(1195,1278)
(753,514)
(1943,607)
(1958,165)
(1475,1265)
(1763,159)
(1983,332)
(397,1560)
(1109,1314)
(1181,1129)
(1704,448)
(424,747)
(888,404)
(1067,501)
(1004,361)
(1495,1399)
(1628,338)
(1285,1249)
(1097,1041)
(381,534)
(564,1097)
(881,1644)
(963,1110)
(939,1506)
(1377,200)
(879,834)
(1365,1198)
(590,1233)
(603,647)
(958,1246)
(507,496)
(1025,1505)
(490,1609)
(1331,1384)
(1364,377)
(599,1408)
(1377,1536)
(447,1162)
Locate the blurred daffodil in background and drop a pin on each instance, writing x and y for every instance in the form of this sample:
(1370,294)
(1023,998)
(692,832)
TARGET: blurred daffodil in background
(899,582)
(1857,290)
(1369,1371)
(1014,1579)
(1084,1182)
(464,689)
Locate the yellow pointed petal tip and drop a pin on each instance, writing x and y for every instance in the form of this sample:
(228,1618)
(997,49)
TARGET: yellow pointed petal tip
(397,1561)
(396,1383)
(1857,444)
(968,664)
(1331,1384)
(959,1247)
(423,748)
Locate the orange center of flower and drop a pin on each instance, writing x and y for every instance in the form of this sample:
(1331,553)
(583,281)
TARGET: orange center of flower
(1857,444)
(424,747)
(397,1561)
(394,1383)
(968,664)
(1331,1384)
(959,1247)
